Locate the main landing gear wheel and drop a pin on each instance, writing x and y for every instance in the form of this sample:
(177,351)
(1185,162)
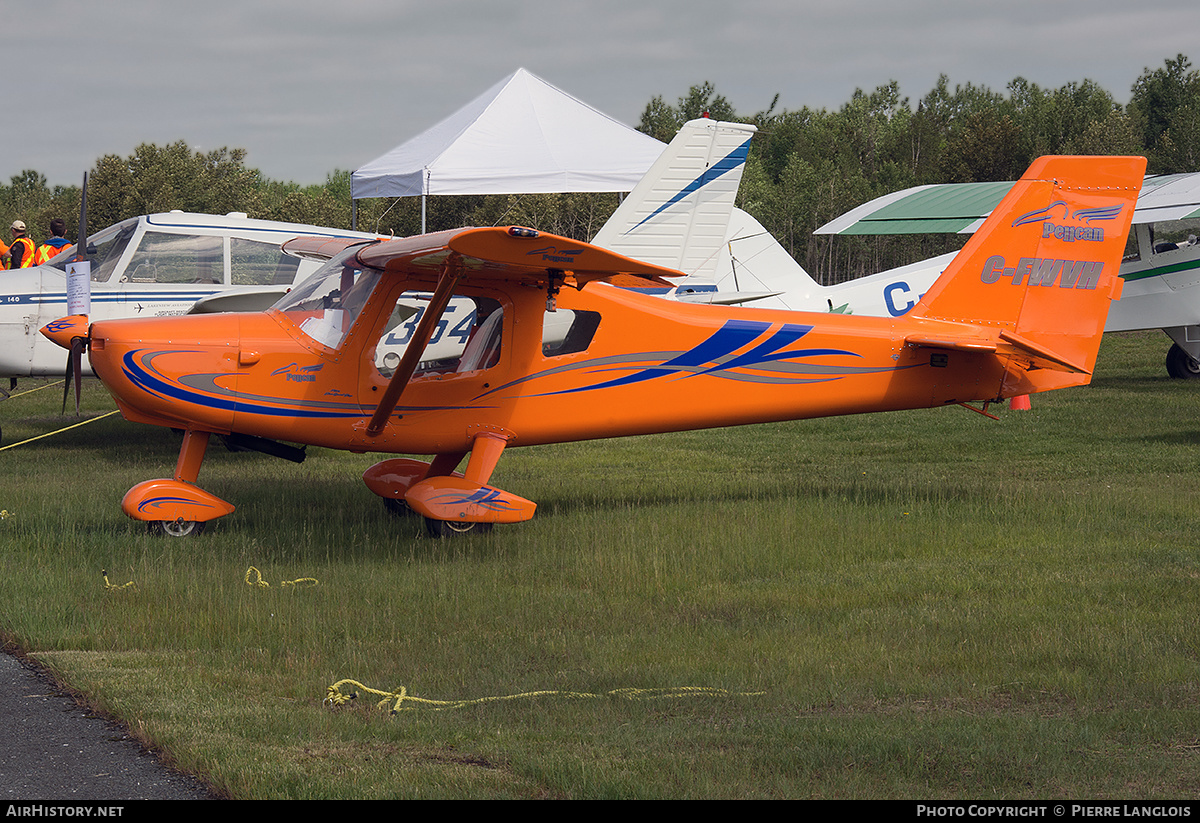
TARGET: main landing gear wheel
(176,528)
(450,528)
(1180,365)
(396,506)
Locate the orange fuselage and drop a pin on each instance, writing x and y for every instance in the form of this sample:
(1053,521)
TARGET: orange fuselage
(651,366)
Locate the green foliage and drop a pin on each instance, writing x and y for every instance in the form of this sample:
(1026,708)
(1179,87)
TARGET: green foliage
(27,198)
(162,178)
(661,121)
(1165,101)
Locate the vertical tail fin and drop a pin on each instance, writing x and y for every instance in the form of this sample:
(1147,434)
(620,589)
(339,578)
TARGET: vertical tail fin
(1044,267)
(678,215)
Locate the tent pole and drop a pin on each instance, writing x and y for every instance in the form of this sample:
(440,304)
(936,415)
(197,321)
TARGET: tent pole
(422,213)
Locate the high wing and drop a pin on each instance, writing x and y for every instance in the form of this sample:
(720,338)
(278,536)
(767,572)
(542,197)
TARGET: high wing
(511,253)
(961,207)
(677,217)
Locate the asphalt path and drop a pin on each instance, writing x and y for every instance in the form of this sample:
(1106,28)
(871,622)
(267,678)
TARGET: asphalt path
(51,748)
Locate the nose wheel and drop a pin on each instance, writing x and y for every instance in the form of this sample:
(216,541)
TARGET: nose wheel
(450,528)
(175,528)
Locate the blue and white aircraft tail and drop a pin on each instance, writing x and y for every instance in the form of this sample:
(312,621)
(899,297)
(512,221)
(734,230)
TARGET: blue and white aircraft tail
(678,216)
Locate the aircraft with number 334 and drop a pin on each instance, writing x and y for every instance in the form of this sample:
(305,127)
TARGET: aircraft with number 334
(561,349)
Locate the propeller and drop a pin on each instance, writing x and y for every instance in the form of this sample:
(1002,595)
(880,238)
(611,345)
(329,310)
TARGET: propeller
(79,302)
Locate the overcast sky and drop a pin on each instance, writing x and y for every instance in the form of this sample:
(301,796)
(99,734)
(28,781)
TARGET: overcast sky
(307,87)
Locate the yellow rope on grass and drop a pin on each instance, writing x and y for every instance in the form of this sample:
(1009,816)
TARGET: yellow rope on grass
(31,391)
(60,431)
(262,584)
(334,696)
(111,587)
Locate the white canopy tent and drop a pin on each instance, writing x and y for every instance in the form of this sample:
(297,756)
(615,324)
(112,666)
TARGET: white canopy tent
(521,136)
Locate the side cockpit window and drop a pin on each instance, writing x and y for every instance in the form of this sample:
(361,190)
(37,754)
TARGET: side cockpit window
(177,258)
(469,336)
(255,263)
(104,250)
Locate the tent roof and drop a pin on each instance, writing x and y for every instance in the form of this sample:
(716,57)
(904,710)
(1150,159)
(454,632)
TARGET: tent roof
(520,136)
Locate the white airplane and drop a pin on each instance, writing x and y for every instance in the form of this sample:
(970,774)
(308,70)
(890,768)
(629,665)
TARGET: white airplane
(153,265)
(1161,268)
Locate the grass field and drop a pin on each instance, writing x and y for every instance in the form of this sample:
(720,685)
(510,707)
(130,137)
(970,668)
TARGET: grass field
(917,605)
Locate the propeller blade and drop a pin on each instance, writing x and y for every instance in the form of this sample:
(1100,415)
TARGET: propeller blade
(77,370)
(79,302)
(66,381)
(74,373)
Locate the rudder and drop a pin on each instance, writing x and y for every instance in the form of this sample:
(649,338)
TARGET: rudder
(1044,267)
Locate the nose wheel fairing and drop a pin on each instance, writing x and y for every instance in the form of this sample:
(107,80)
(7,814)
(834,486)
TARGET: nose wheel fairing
(176,506)
(173,501)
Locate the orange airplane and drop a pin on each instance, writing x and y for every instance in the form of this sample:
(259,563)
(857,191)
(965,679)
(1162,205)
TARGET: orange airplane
(361,356)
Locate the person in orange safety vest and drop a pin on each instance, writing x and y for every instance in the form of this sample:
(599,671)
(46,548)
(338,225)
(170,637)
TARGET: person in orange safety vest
(55,244)
(21,253)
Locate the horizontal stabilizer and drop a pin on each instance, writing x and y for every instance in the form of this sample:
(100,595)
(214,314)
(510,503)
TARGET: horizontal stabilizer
(1040,356)
(1013,345)
(972,345)
(723,298)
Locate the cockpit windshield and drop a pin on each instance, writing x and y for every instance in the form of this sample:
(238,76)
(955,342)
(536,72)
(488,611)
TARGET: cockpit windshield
(104,250)
(325,305)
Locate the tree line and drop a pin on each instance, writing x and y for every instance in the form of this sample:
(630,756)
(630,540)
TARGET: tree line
(805,166)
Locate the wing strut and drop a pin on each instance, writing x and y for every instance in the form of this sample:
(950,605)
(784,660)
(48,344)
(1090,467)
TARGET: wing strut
(447,280)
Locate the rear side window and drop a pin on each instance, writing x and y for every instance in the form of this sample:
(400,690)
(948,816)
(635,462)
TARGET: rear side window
(253,263)
(568,331)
